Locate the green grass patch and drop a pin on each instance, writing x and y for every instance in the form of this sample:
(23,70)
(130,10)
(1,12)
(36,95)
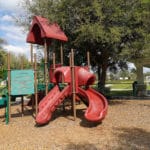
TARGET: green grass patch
(121,93)
(122,86)
(119,88)
(148,87)
(119,82)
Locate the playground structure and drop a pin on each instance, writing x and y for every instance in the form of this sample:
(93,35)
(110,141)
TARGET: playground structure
(77,79)
(97,104)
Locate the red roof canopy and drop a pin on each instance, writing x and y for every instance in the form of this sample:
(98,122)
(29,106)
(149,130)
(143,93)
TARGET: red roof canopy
(41,29)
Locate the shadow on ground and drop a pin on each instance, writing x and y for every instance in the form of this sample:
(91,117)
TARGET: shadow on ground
(133,138)
(84,122)
(82,146)
(146,105)
(116,102)
(26,112)
(69,115)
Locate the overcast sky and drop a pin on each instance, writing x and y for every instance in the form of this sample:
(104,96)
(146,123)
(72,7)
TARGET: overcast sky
(13,34)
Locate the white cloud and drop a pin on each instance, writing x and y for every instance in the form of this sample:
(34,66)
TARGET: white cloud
(14,34)
(12,28)
(7,18)
(17,38)
(24,49)
(10,4)
(12,48)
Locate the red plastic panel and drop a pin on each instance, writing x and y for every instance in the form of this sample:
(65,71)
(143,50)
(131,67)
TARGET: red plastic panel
(85,77)
(41,28)
(63,74)
(51,72)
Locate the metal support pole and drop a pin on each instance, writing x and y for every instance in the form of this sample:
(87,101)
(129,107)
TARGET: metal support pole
(9,88)
(61,55)
(88,59)
(54,62)
(35,85)
(22,105)
(61,59)
(31,50)
(45,67)
(73,83)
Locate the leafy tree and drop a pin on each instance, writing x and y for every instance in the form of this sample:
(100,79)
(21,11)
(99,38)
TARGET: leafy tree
(96,26)
(108,29)
(138,36)
(19,61)
(2,59)
(2,52)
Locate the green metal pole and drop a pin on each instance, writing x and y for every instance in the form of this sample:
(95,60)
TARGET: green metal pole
(7,110)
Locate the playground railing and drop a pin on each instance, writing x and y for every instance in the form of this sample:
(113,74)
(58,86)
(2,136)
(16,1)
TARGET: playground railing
(41,86)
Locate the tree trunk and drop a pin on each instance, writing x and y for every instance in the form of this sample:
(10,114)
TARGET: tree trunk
(103,74)
(103,69)
(99,74)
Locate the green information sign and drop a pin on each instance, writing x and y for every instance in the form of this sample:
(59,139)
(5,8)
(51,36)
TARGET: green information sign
(22,82)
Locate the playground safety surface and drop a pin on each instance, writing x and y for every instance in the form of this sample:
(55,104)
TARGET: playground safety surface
(126,127)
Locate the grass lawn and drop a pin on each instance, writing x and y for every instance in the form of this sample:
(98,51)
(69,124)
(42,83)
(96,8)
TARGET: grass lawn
(123,84)
(119,84)
(121,93)
(121,88)
(148,87)
(118,88)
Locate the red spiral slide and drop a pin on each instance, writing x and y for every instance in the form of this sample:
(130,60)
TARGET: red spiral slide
(97,108)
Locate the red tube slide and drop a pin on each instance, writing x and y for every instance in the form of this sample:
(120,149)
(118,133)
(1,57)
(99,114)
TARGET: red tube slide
(97,108)
(98,105)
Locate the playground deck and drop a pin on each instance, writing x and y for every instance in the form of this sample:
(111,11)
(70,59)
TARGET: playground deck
(127,126)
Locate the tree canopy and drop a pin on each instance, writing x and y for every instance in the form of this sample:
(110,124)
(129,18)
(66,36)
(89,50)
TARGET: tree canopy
(113,31)
(2,54)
